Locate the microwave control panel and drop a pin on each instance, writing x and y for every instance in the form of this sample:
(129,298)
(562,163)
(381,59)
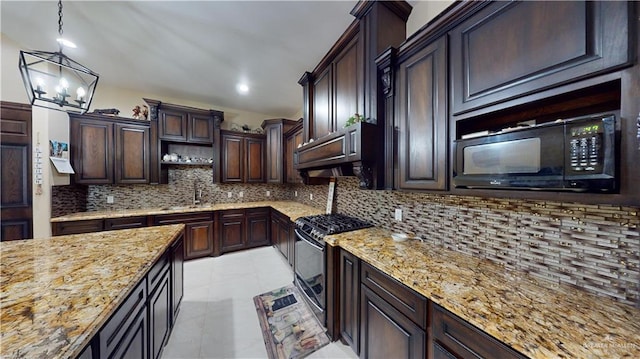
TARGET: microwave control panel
(585,146)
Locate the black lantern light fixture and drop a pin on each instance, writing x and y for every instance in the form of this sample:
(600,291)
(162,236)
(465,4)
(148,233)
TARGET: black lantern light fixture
(55,81)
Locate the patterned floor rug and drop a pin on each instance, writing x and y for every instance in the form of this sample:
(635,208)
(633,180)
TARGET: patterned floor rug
(289,328)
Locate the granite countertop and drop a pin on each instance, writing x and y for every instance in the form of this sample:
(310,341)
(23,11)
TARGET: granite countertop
(537,318)
(292,209)
(56,293)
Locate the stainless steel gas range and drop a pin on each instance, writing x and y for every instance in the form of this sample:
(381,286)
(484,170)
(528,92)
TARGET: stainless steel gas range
(310,259)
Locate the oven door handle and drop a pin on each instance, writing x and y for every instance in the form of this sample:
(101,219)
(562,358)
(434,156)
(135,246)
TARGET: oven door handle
(303,238)
(309,299)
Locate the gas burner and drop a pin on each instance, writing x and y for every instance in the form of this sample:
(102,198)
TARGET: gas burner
(321,225)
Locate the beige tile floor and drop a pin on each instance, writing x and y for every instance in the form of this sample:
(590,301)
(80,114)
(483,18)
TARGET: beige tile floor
(217,318)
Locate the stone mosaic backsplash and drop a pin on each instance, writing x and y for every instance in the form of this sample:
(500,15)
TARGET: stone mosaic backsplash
(593,247)
(68,199)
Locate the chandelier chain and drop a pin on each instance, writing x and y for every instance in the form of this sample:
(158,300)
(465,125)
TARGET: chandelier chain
(60,17)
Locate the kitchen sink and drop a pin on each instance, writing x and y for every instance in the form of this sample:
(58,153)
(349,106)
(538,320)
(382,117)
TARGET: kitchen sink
(176,208)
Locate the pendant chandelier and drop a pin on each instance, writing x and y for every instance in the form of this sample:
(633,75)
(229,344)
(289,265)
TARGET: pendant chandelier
(55,81)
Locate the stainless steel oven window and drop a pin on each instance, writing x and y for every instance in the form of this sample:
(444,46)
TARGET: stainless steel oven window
(309,268)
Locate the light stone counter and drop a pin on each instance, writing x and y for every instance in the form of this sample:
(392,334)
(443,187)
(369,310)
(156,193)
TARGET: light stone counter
(56,293)
(537,318)
(292,209)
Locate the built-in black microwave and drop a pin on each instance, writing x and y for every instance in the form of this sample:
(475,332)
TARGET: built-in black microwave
(566,155)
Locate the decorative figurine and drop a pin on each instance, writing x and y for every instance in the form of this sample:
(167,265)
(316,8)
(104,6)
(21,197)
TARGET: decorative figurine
(136,112)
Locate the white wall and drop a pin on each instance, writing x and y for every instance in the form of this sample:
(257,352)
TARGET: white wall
(423,11)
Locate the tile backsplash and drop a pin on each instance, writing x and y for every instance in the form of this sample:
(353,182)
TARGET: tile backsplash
(593,247)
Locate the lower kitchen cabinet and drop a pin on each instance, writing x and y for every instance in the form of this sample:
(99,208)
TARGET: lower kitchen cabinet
(160,317)
(77,227)
(349,299)
(198,239)
(198,235)
(385,332)
(232,230)
(125,335)
(177,278)
(242,229)
(282,235)
(257,221)
(453,337)
(111,224)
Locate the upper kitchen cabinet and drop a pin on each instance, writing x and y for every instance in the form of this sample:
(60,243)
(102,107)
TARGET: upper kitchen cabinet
(188,132)
(421,124)
(293,139)
(242,157)
(511,49)
(276,162)
(345,83)
(107,150)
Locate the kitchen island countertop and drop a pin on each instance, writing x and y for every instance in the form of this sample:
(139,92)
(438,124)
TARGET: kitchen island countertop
(290,208)
(56,293)
(536,317)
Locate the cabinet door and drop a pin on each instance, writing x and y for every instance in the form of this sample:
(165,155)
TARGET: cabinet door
(293,176)
(422,119)
(274,163)
(172,125)
(346,86)
(510,49)
(15,166)
(77,227)
(232,158)
(159,308)
(92,151)
(134,344)
(257,227)
(132,154)
(349,299)
(200,129)
(177,278)
(198,239)
(255,160)
(322,105)
(385,332)
(112,224)
(232,231)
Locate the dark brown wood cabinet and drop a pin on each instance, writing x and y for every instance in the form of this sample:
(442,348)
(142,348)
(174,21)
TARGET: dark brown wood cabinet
(126,333)
(16,168)
(77,227)
(387,333)
(182,124)
(111,224)
(293,139)
(107,150)
(243,228)
(350,300)
(511,49)
(242,157)
(275,165)
(282,235)
(199,233)
(232,230)
(454,337)
(177,278)
(421,123)
(158,307)
(257,221)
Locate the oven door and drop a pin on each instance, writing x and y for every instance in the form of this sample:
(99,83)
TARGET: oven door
(309,270)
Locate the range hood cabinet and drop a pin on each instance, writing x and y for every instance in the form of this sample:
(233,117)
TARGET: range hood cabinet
(347,152)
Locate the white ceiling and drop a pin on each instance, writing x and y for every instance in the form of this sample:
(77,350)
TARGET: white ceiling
(192,50)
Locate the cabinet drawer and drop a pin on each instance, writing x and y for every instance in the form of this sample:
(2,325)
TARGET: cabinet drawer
(77,227)
(462,338)
(155,273)
(111,224)
(405,300)
(263,211)
(124,318)
(231,214)
(182,218)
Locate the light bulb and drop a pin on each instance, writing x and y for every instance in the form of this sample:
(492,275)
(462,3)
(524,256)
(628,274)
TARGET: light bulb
(80,92)
(64,83)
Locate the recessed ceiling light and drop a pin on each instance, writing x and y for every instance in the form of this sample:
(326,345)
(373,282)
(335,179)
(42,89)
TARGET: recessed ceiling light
(242,88)
(66,43)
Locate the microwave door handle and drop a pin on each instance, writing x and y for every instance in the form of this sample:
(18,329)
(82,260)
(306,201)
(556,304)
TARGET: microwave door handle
(303,238)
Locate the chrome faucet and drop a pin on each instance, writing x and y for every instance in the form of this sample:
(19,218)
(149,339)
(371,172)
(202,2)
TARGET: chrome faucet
(197,193)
